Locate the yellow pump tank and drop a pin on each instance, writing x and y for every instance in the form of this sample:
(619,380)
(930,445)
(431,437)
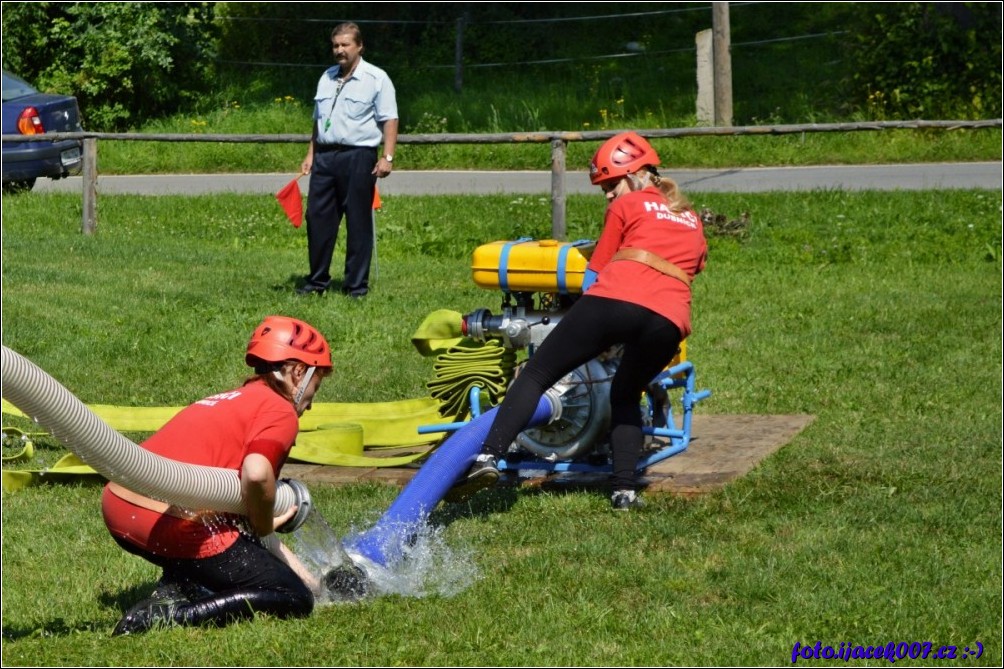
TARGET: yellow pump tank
(537,266)
(527,265)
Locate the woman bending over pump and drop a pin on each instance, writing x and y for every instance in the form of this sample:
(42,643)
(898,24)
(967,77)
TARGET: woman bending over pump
(636,294)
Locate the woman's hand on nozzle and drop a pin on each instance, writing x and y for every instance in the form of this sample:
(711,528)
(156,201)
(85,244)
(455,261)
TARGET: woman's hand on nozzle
(284,517)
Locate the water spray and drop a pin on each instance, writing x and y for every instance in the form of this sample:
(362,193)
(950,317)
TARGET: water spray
(387,541)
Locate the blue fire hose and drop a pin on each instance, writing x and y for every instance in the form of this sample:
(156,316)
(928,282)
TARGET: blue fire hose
(385,542)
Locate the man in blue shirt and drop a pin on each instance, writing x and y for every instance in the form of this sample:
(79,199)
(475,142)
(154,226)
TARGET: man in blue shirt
(355,109)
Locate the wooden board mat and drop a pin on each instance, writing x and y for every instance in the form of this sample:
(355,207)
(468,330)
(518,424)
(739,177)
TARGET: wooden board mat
(722,449)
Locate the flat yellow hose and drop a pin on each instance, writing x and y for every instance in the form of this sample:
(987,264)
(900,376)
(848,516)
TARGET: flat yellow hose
(336,434)
(346,434)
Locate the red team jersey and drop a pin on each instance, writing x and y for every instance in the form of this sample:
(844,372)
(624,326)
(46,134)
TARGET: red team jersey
(218,431)
(642,219)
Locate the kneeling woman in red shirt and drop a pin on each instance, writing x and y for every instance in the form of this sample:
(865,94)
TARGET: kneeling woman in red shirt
(651,247)
(216,568)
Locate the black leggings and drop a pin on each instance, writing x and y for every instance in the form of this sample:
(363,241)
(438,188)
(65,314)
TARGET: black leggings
(244,579)
(590,327)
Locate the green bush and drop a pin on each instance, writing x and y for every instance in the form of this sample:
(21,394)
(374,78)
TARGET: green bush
(124,61)
(928,60)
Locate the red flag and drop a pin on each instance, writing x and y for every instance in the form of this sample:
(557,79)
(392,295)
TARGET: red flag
(292,202)
(377,204)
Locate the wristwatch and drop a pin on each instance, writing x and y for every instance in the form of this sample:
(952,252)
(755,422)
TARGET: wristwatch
(389,158)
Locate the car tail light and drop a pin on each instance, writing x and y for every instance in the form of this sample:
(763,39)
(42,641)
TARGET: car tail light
(29,122)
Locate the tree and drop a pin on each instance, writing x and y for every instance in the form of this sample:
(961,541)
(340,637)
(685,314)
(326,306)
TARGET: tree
(124,61)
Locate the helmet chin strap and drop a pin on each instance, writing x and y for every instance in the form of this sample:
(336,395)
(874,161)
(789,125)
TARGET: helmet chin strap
(303,387)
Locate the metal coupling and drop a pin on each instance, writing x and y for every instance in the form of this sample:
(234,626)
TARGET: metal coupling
(304,505)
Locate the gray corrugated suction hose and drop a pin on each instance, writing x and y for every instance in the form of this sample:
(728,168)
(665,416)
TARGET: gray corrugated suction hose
(118,459)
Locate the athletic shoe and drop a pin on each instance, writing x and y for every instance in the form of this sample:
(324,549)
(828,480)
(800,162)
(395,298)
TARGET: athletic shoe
(144,615)
(159,608)
(482,474)
(625,500)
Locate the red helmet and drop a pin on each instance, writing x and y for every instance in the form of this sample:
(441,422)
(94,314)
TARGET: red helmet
(280,338)
(621,155)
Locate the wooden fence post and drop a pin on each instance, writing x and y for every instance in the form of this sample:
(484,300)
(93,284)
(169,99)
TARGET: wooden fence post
(90,179)
(721,46)
(558,147)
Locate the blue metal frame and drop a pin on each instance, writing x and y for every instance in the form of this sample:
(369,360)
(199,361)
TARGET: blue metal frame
(678,376)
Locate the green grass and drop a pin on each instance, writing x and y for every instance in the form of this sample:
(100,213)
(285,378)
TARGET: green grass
(878,313)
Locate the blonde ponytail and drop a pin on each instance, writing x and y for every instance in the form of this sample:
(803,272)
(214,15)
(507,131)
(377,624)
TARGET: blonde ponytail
(677,200)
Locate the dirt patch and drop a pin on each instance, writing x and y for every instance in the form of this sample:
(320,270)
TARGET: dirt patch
(722,449)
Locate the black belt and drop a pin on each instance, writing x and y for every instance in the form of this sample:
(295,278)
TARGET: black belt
(324,148)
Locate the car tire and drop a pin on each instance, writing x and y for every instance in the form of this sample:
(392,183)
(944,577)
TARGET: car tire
(22,186)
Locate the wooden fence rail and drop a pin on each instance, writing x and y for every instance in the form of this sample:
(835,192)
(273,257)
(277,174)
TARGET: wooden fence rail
(558,140)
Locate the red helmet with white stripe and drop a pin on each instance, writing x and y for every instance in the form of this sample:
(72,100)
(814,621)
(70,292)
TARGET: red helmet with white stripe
(621,155)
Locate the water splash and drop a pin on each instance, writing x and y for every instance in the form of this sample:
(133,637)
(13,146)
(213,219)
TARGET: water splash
(428,565)
(321,553)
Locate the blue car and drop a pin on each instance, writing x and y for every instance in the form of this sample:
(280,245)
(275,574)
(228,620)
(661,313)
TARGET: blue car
(29,112)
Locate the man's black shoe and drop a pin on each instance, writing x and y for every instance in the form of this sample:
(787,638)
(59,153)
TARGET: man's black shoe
(310,289)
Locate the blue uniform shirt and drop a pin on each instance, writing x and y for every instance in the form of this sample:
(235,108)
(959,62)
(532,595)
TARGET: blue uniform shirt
(353,113)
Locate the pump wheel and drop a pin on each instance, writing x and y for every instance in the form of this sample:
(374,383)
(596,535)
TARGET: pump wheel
(585,416)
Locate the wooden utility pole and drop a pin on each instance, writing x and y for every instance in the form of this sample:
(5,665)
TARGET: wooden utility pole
(458,56)
(721,46)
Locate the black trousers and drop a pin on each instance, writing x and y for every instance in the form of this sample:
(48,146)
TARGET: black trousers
(244,579)
(591,326)
(341,186)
